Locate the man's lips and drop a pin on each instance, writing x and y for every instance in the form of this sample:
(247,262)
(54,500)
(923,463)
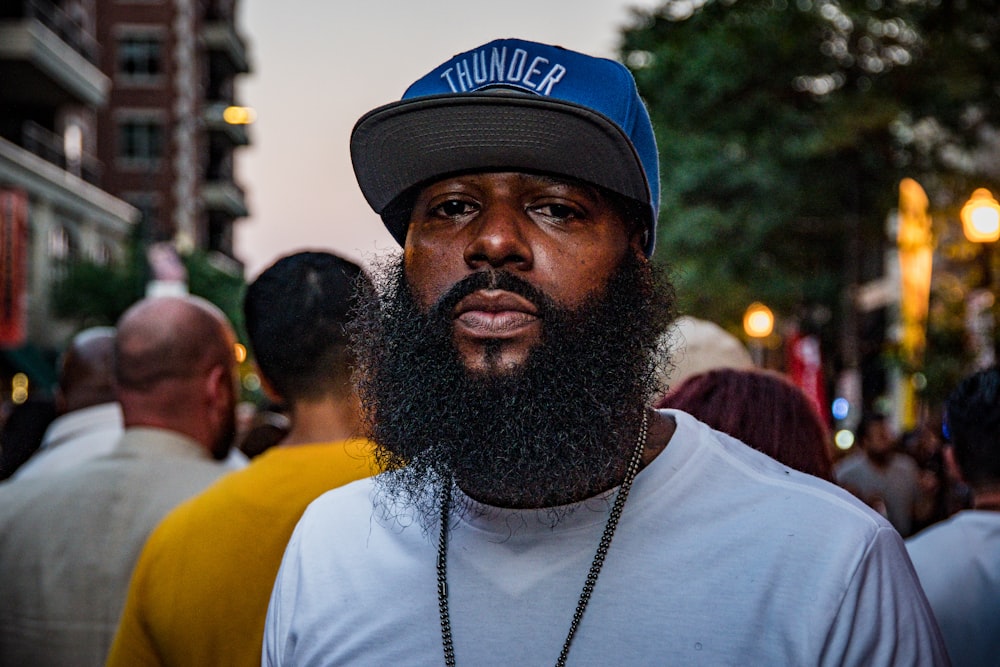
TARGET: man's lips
(494,313)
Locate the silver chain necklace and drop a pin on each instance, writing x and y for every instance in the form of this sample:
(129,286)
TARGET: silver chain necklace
(595,566)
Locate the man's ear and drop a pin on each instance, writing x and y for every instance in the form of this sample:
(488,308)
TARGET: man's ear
(637,240)
(219,385)
(638,244)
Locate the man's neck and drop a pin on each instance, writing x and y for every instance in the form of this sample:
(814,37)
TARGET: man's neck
(661,430)
(328,419)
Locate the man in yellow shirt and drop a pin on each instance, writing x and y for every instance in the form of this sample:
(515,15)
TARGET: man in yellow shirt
(200,590)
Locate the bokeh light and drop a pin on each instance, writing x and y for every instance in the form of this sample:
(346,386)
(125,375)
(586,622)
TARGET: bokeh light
(844,440)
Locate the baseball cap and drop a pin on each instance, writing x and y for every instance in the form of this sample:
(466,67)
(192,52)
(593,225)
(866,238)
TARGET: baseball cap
(516,105)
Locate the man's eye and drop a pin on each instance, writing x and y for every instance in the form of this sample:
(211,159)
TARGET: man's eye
(454,207)
(557,211)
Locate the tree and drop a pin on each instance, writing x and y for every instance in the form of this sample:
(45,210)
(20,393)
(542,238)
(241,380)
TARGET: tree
(94,294)
(785,127)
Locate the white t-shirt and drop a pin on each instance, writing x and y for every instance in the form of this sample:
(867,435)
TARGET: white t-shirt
(958,562)
(723,556)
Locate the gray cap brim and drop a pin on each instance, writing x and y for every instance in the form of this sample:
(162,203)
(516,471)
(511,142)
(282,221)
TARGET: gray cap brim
(408,143)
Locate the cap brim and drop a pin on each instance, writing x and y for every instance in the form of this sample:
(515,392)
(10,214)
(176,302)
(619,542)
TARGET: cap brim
(407,143)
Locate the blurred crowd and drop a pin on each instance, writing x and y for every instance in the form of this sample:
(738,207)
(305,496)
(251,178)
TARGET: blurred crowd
(83,499)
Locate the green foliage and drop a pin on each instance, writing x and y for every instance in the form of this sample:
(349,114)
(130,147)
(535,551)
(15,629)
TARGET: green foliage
(785,127)
(91,294)
(207,279)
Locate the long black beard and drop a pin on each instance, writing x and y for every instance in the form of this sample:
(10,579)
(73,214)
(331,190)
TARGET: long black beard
(558,429)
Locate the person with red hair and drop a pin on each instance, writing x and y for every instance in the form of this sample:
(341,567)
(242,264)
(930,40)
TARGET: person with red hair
(761,408)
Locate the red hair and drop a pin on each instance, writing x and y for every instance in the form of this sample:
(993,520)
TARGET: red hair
(764,410)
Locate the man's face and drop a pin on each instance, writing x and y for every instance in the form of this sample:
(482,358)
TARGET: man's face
(511,347)
(878,440)
(563,238)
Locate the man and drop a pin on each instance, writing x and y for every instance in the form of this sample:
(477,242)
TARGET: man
(200,590)
(958,560)
(69,540)
(90,419)
(885,479)
(534,508)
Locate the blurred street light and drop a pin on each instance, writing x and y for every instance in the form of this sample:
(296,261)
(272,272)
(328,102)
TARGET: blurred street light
(758,321)
(239,115)
(981,224)
(981,217)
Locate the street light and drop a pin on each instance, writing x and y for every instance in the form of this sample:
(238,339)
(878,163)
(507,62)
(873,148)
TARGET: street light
(981,217)
(758,320)
(758,323)
(981,224)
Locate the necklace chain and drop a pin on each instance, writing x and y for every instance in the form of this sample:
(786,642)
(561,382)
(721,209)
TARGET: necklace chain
(595,566)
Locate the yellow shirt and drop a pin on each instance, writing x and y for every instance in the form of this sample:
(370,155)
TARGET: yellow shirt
(199,592)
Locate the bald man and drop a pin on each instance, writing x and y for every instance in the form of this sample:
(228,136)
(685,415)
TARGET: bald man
(69,540)
(90,420)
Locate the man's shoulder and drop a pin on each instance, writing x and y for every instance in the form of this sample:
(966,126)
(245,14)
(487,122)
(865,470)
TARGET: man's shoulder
(360,492)
(962,528)
(731,472)
(281,477)
(275,487)
(100,418)
(341,510)
(62,487)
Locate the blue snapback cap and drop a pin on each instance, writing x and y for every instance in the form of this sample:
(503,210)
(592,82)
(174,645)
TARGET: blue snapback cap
(517,105)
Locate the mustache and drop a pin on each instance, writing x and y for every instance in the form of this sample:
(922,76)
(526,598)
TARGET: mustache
(495,280)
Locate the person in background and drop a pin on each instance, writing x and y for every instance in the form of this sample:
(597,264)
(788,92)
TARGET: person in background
(23,430)
(200,590)
(940,479)
(883,477)
(692,346)
(958,560)
(90,419)
(69,540)
(535,509)
(764,410)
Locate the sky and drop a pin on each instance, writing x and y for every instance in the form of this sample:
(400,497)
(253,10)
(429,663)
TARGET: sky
(319,65)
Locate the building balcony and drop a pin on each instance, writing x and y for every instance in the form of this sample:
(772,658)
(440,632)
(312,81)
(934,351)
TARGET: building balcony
(221,35)
(224,196)
(49,146)
(46,59)
(45,181)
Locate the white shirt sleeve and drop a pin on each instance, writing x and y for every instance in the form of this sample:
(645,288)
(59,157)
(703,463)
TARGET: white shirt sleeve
(884,618)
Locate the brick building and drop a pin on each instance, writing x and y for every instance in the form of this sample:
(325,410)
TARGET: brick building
(164,136)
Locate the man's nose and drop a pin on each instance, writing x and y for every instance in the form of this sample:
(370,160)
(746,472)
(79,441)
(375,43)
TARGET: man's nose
(499,239)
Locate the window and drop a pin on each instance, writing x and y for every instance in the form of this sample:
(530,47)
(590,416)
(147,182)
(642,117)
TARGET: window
(140,140)
(140,57)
